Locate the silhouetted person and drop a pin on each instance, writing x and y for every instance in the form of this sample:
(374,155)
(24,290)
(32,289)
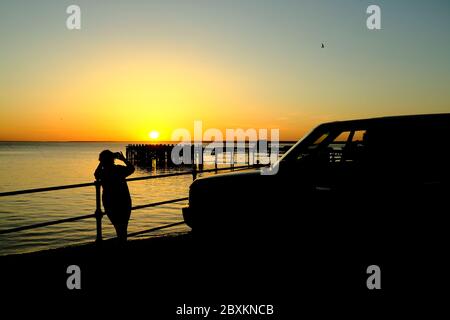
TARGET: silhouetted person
(116,196)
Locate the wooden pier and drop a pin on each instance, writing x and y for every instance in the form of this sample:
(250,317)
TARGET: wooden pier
(150,155)
(159,155)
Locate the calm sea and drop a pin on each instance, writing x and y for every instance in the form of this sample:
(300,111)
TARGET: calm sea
(26,165)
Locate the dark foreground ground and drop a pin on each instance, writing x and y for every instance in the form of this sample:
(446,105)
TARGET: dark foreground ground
(157,275)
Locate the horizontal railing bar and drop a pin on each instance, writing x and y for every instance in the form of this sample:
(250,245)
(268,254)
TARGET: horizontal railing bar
(72,219)
(45,224)
(69,186)
(188,173)
(89,184)
(239,168)
(154,204)
(164,175)
(155,229)
(49,223)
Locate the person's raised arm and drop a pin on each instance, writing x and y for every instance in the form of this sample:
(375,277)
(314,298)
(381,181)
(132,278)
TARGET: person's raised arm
(129,165)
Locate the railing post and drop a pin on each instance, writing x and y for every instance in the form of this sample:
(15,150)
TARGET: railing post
(215,161)
(200,159)
(98,211)
(194,172)
(232,159)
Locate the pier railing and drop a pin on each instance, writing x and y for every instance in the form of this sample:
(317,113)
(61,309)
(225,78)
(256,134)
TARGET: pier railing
(98,214)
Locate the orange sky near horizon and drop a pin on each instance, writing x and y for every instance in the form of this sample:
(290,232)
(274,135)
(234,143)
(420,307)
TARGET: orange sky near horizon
(126,96)
(142,66)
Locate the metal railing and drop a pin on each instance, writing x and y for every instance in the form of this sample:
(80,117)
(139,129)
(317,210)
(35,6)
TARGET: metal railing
(98,215)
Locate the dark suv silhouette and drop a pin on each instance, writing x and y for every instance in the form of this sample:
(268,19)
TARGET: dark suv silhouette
(380,180)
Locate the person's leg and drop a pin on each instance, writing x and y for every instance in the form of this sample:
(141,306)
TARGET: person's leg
(121,231)
(121,226)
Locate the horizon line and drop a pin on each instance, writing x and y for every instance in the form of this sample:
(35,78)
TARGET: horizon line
(136,141)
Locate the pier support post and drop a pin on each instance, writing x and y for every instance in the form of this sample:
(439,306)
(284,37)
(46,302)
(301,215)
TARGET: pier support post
(98,211)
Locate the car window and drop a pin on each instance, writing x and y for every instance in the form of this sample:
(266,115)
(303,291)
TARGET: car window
(359,136)
(308,149)
(337,145)
(330,147)
(321,138)
(348,146)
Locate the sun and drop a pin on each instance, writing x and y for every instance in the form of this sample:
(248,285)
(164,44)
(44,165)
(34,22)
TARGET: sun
(153,135)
